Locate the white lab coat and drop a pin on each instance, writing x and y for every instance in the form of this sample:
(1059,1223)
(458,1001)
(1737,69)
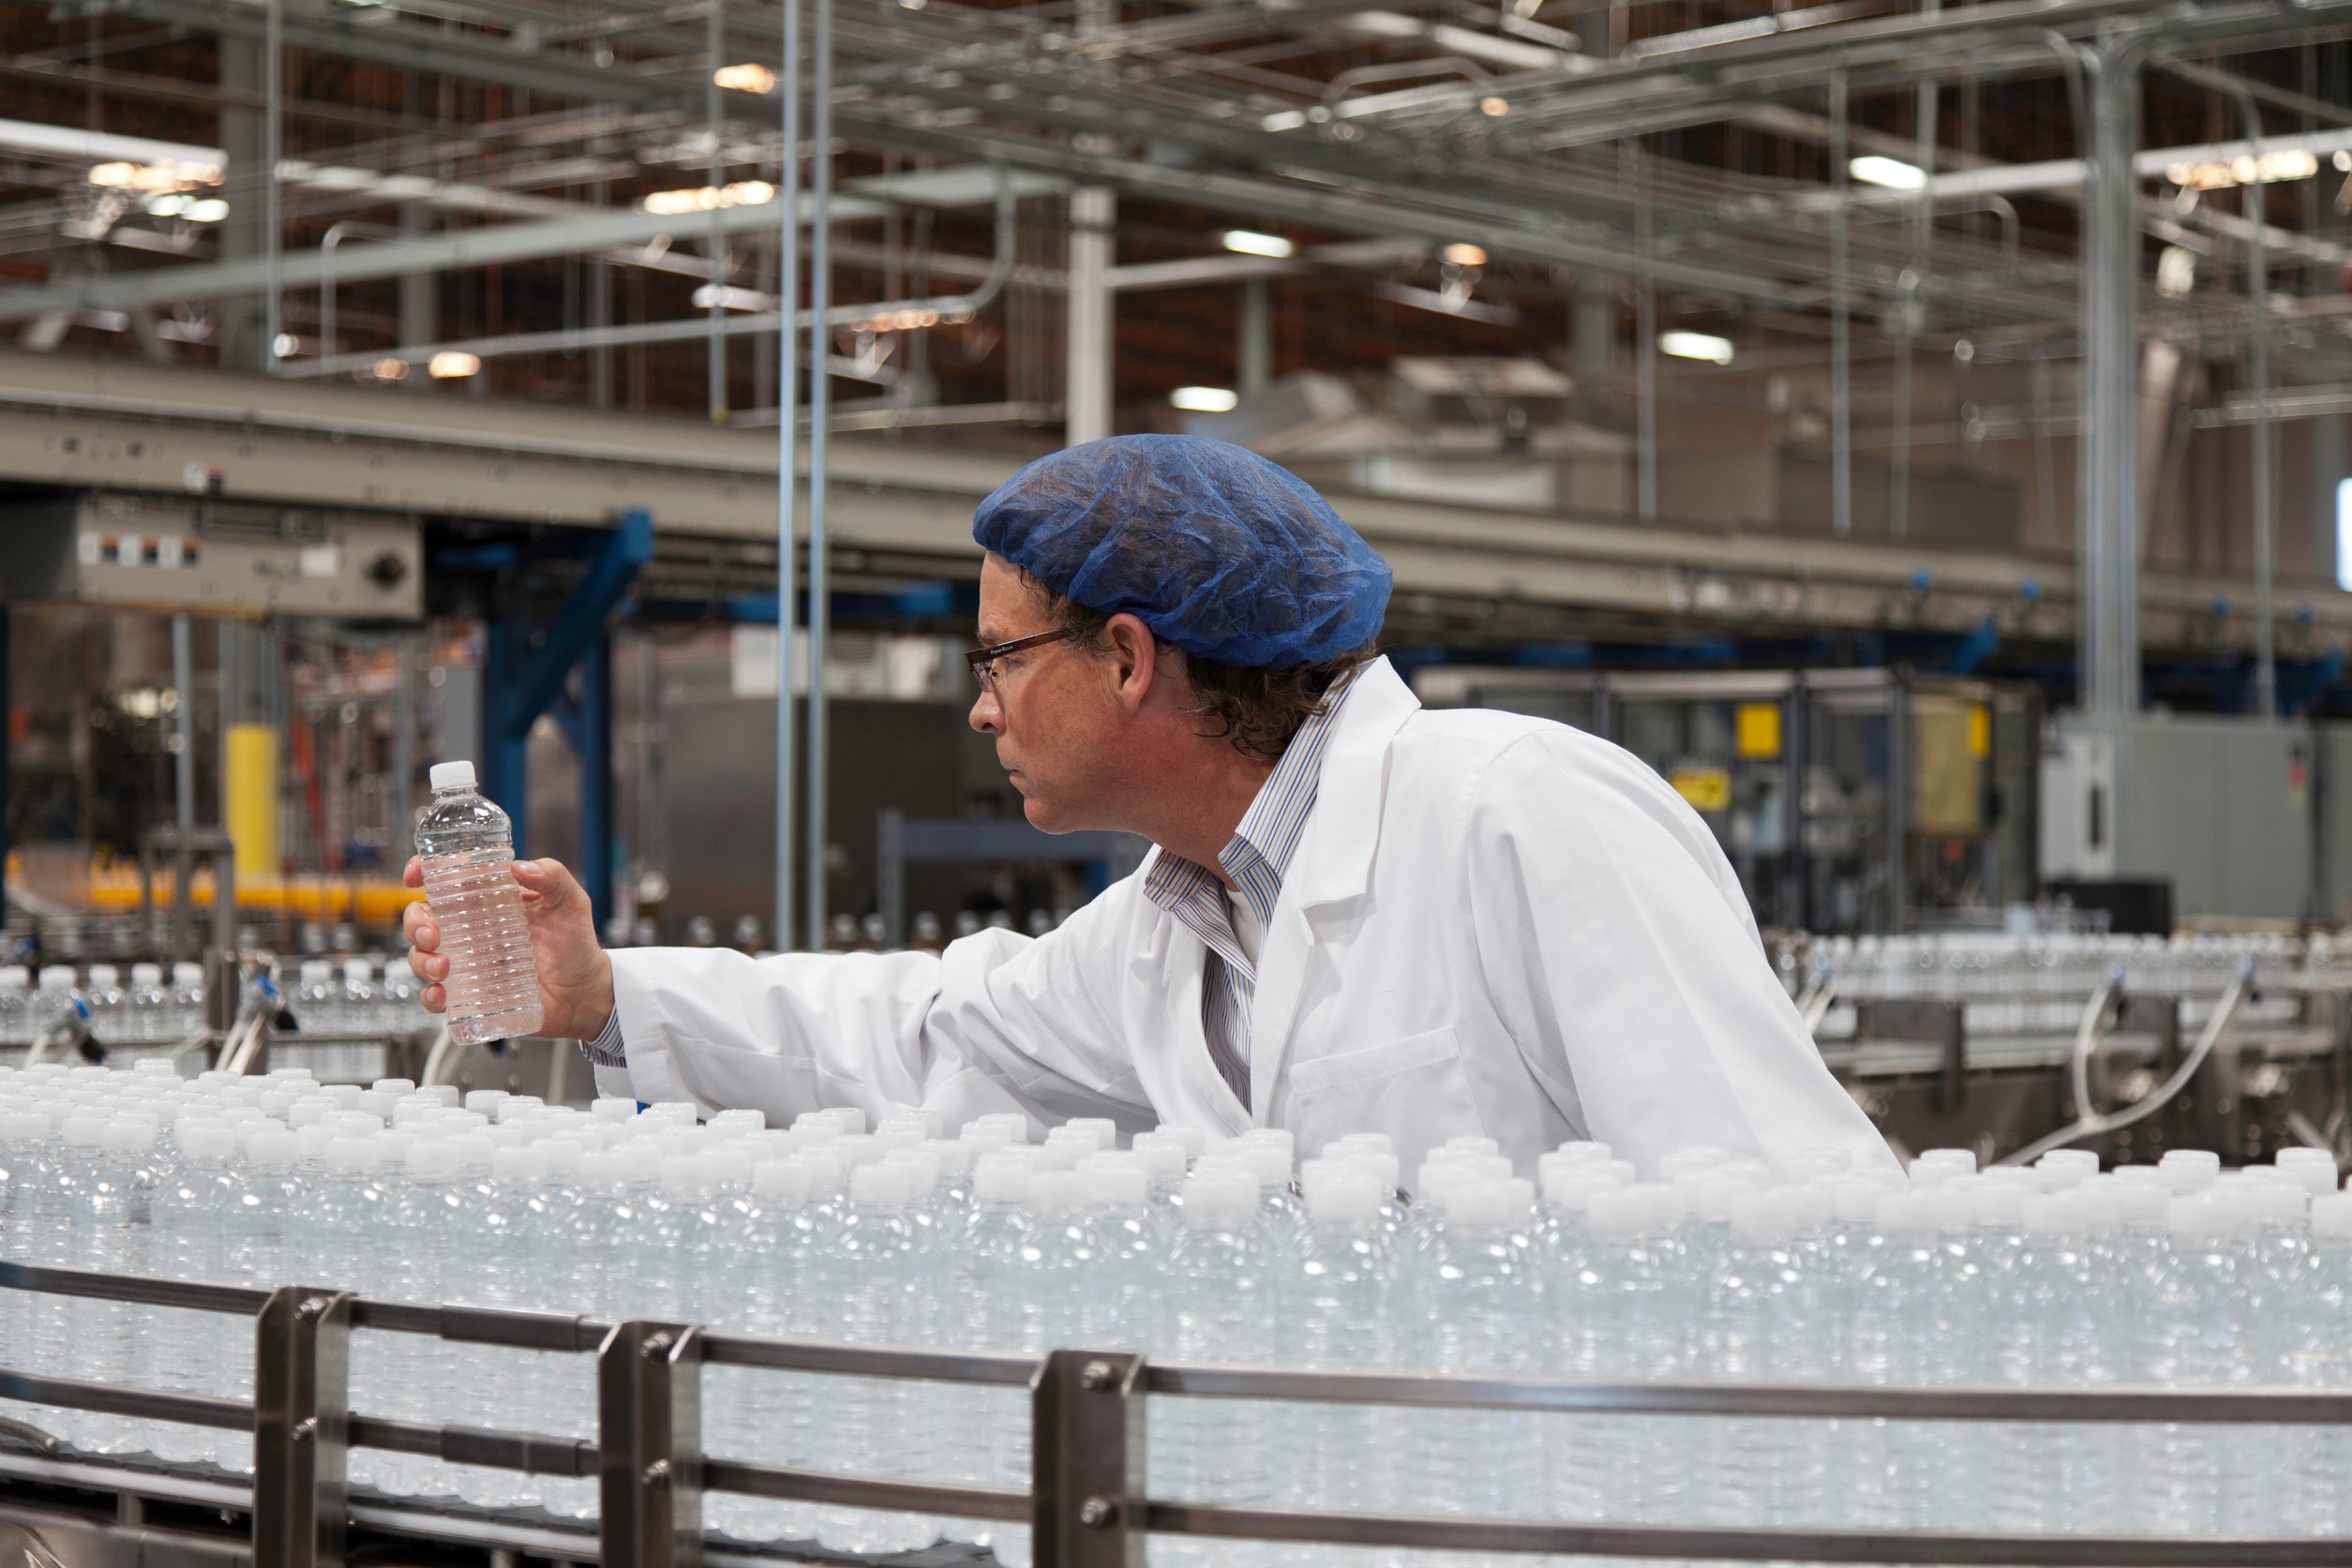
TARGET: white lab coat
(1493,924)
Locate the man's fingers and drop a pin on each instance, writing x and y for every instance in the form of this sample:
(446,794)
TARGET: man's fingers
(413,875)
(549,880)
(434,999)
(426,966)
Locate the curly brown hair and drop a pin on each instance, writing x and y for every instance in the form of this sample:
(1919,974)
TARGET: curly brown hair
(1256,708)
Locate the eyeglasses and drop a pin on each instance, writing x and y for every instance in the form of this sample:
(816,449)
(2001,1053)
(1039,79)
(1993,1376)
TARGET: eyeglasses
(983,660)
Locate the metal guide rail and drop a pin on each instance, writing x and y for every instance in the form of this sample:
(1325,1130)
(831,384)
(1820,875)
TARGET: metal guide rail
(1087,1502)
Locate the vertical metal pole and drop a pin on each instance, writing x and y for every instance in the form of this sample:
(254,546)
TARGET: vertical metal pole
(2266,664)
(273,151)
(300,1421)
(182,723)
(715,33)
(1086,1459)
(648,1431)
(820,413)
(1645,344)
(788,467)
(1254,355)
(404,754)
(1841,332)
(594,744)
(1086,392)
(2110,546)
(1898,514)
(5,710)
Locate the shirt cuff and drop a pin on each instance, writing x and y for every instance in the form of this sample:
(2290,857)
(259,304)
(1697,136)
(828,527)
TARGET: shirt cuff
(607,1050)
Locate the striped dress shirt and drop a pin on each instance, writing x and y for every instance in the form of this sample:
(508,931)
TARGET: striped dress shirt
(1256,858)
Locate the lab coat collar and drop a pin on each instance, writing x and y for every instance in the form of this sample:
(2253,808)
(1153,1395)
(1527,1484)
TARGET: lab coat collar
(1333,860)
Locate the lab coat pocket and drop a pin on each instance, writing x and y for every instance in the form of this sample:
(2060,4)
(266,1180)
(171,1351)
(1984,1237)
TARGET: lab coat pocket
(1417,1082)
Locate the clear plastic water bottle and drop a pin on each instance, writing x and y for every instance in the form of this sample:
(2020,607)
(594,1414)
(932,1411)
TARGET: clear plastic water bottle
(881,1300)
(2316,1356)
(113,1228)
(468,847)
(149,1006)
(2053,1327)
(2201,1334)
(1218,1280)
(193,1354)
(1905,1332)
(1476,1302)
(108,1019)
(187,998)
(1337,1311)
(15,1005)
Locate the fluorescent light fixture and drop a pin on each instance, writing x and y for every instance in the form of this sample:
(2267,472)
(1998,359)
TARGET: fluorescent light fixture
(1283,119)
(728,298)
(170,204)
(1892,173)
(2343,160)
(390,369)
(1494,109)
(1249,242)
(748,77)
(285,345)
(703,199)
(453,365)
(2176,272)
(2292,163)
(1460,255)
(1695,345)
(1206,399)
(2343,534)
(209,209)
(167,175)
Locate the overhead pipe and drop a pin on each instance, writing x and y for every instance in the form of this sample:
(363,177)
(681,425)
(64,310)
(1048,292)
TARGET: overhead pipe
(1841,332)
(1906,304)
(947,308)
(714,115)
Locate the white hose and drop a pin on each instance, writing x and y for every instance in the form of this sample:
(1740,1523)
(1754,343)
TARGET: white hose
(2091,1126)
(440,1059)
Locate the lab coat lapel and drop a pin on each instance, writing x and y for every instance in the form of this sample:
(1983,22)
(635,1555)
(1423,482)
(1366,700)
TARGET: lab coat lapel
(1333,864)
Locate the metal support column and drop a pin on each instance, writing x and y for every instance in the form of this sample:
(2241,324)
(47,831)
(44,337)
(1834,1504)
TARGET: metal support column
(525,668)
(2109,535)
(1841,334)
(5,712)
(1087,1453)
(1253,356)
(1087,393)
(182,723)
(1645,341)
(301,1416)
(649,1404)
(820,276)
(788,465)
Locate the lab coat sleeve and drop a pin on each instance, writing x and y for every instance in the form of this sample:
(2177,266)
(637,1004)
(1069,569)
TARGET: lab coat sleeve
(999,1021)
(1620,949)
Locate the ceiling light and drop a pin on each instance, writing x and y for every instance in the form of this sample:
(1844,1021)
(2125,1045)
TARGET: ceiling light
(390,369)
(748,77)
(1206,399)
(210,209)
(170,204)
(1249,242)
(703,199)
(2294,163)
(1462,256)
(168,176)
(1695,345)
(729,298)
(2176,272)
(453,365)
(1494,109)
(1892,173)
(2342,159)
(284,346)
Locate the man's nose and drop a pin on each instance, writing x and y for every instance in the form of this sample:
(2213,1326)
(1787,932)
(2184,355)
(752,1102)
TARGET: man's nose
(985,716)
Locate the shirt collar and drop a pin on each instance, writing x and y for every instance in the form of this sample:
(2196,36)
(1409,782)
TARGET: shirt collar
(1260,852)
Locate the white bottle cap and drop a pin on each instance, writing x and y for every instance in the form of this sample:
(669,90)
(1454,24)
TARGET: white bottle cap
(358,969)
(15,977)
(1000,1180)
(185,973)
(1380,1142)
(272,1150)
(613,1110)
(743,1118)
(953,1155)
(1215,1197)
(1616,1212)
(57,977)
(2276,1202)
(1114,1182)
(2051,1215)
(396,1086)
(879,1184)
(1997,1208)
(1583,1149)
(1342,1194)
(2205,1159)
(103,975)
(1162,1153)
(1693,1158)
(1196,1139)
(450,775)
(128,1136)
(1910,1212)
(151,975)
(1962,1160)
(1088,1134)
(308,1111)
(2331,1215)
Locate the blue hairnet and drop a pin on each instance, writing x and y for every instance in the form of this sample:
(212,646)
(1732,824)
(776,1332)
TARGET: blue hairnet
(1221,552)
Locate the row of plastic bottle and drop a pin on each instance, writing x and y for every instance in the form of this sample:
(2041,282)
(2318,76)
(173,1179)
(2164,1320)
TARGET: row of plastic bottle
(150,1005)
(1949,966)
(2179,1276)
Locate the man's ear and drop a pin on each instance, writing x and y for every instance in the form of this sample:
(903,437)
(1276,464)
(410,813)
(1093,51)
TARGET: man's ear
(1134,660)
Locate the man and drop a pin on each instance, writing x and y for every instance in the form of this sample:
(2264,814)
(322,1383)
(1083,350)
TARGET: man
(1360,916)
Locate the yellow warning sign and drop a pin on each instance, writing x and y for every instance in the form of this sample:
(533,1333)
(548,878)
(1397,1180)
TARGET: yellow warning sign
(1757,729)
(1980,730)
(1707,789)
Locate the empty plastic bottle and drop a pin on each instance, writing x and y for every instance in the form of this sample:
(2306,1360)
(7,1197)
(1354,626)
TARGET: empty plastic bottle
(468,847)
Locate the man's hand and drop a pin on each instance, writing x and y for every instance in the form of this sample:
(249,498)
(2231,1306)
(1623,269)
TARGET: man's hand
(575,976)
